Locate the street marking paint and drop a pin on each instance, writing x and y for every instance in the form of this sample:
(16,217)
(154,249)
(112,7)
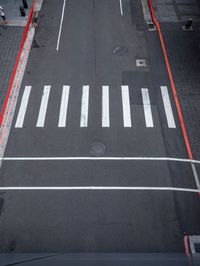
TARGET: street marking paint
(103,188)
(84,107)
(43,106)
(61,23)
(64,106)
(194,170)
(23,107)
(168,107)
(105,107)
(170,159)
(147,107)
(121,7)
(126,106)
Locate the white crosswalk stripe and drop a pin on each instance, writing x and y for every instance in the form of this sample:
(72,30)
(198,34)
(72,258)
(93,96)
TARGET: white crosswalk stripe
(64,106)
(23,107)
(167,107)
(84,107)
(147,107)
(43,106)
(105,107)
(126,106)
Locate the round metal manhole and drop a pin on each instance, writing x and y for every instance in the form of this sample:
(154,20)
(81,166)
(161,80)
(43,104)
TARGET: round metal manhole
(97,149)
(120,50)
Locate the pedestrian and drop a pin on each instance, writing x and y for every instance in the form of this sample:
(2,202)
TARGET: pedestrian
(2,14)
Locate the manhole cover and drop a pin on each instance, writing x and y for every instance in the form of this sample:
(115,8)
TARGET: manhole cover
(120,50)
(97,149)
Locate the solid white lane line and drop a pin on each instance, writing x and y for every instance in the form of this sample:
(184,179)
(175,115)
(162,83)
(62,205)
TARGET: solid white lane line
(64,106)
(43,106)
(168,107)
(23,107)
(194,170)
(84,107)
(170,159)
(176,189)
(61,23)
(126,106)
(105,107)
(121,7)
(147,107)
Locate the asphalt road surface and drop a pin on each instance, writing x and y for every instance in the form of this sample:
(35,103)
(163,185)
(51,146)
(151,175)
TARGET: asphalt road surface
(84,97)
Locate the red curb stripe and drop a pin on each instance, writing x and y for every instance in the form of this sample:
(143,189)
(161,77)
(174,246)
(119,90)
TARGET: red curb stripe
(184,131)
(16,63)
(186,245)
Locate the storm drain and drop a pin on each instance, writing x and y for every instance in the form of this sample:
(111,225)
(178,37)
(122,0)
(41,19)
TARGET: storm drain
(141,63)
(151,26)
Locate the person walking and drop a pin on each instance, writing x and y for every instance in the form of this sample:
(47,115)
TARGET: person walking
(2,14)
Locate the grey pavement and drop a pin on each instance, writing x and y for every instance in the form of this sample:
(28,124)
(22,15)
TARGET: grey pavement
(185,62)
(95,221)
(184,55)
(177,10)
(10,39)
(12,12)
(9,47)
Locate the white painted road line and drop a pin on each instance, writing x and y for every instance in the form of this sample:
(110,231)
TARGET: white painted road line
(126,106)
(121,7)
(194,170)
(103,188)
(61,23)
(147,107)
(170,159)
(64,106)
(168,107)
(105,107)
(84,107)
(23,107)
(43,106)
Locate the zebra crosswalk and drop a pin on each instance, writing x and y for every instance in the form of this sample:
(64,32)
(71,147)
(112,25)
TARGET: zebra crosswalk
(126,108)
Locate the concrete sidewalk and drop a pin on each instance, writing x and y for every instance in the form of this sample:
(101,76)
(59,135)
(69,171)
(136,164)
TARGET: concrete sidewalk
(183,50)
(12,12)
(177,10)
(10,39)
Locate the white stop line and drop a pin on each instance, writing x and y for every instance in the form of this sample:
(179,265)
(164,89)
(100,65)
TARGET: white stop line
(121,7)
(104,188)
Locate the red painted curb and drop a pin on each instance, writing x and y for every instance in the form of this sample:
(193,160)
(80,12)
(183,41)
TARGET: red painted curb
(184,131)
(186,245)
(16,63)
